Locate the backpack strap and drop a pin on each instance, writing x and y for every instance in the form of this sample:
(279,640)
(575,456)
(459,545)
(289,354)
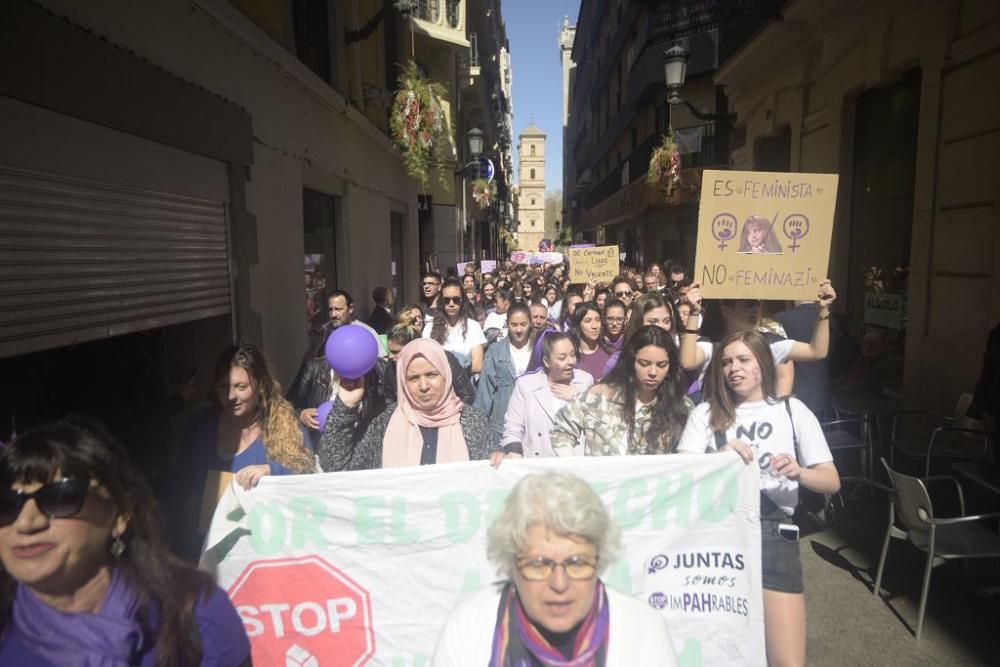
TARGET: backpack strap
(720,439)
(795,437)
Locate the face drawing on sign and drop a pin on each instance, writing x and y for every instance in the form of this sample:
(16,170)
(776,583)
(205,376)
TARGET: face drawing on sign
(795,227)
(758,237)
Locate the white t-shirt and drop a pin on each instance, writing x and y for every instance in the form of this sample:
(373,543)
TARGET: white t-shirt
(496,320)
(521,359)
(454,342)
(766,427)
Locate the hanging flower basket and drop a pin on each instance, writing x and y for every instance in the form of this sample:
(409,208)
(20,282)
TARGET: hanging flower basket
(665,164)
(482,193)
(417,122)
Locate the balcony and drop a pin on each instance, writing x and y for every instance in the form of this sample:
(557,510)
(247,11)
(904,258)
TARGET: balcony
(739,21)
(443,20)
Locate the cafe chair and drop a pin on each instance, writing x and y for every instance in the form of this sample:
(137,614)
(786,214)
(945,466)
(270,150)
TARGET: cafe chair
(849,435)
(920,433)
(941,539)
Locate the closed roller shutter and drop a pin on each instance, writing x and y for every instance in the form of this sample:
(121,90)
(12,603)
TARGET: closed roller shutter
(82,260)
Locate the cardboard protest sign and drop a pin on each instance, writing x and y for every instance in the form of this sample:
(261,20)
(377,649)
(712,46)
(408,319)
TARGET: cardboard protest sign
(364,567)
(488,265)
(764,235)
(597,263)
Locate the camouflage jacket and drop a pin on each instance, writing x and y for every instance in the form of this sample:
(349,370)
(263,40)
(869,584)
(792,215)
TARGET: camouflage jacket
(596,421)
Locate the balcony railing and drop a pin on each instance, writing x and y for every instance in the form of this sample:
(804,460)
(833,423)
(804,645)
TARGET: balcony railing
(429,10)
(699,148)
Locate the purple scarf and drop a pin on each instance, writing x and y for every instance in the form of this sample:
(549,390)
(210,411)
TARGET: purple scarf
(110,638)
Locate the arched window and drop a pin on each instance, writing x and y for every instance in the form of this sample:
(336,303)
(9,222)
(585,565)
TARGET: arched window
(532,174)
(532,201)
(532,150)
(532,223)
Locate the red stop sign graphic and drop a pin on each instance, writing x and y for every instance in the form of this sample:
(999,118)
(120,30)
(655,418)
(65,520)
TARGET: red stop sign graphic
(303,612)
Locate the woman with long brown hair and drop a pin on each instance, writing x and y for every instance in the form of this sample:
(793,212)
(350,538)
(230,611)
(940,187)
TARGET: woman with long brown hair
(249,430)
(784,440)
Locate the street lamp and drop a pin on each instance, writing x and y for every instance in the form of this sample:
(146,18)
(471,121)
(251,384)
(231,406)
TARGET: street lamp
(475,138)
(675,72)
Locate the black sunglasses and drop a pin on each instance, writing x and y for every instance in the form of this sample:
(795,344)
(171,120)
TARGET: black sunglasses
(451,299)
(57,500)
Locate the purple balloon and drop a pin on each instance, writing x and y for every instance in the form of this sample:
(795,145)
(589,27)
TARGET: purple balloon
(322,412)
(351,351)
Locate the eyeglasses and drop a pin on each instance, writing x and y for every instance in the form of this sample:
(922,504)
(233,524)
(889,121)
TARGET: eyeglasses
(451,299)
(57,500)
(614,320)
(540,569)
(621,294)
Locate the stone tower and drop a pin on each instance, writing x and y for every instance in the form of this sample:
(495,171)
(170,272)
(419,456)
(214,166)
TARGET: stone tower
(531,188)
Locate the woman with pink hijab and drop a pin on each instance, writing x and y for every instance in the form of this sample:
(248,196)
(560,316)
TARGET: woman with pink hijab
(429,424)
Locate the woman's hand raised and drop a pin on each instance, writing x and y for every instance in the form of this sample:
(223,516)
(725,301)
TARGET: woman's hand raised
(249,477)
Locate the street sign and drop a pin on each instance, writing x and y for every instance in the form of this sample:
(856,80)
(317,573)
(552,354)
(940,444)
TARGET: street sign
(486,169)
(303,612)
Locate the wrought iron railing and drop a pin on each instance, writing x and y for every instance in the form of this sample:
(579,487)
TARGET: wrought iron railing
(429,10)
(739,20)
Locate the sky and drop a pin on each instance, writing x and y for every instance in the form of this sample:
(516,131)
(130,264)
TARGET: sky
(533,31)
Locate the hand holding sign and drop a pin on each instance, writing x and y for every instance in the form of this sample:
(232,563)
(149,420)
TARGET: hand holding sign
(826,295)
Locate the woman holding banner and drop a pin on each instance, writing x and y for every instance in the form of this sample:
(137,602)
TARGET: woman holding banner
(639,408)
(744,314)
(742,413)
(551,542)
(430,424)
(539,396)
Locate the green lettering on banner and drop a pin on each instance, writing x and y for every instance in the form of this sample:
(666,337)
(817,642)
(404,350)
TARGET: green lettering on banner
(691,654)
(370,528)
(397,523)
(307,517)
(419,660)
(619,578)
(712,506)
(628,490)
(472,581)
(494,501)
(274,541)
(673,495)
(462,514)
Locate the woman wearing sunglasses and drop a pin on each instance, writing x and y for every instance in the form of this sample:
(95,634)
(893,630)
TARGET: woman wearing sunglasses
(740,401)
(87,578)
(456,330)
(550,543)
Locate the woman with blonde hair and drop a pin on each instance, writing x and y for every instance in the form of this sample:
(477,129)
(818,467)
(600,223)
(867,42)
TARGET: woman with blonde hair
(249,429)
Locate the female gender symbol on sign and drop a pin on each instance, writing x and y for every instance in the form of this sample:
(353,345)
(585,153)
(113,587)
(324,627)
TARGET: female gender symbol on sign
(795,227)
(724,229)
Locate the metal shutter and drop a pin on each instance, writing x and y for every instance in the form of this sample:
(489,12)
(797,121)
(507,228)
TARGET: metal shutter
(82,260)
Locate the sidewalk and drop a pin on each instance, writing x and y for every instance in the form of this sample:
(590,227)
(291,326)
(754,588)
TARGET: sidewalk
(847,625)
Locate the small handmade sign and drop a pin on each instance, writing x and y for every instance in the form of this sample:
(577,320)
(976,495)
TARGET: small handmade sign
(599,264)
(764,235)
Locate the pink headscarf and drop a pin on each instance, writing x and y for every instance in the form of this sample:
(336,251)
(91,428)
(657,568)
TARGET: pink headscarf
(403,440)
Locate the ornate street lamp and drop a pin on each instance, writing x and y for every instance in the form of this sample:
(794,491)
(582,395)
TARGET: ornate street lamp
(475,136)
(675,72)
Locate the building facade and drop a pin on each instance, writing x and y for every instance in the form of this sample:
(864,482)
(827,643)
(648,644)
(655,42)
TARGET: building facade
(531,188)
(566,36)
(182,190)
(618,114)
(899,98)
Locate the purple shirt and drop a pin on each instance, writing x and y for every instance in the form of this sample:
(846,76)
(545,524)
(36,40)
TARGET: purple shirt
(224,641)
(594,363)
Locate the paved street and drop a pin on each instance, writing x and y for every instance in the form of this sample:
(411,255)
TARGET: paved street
(850,626)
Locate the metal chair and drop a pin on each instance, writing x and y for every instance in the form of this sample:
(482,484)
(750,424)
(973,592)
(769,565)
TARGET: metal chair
(942,539)
(920,433)
(846,435)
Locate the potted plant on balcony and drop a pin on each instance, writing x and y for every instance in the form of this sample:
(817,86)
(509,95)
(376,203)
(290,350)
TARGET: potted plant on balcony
(417,122)
(665,164)
(482,192)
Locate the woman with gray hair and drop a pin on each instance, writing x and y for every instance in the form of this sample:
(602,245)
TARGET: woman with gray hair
(551,541)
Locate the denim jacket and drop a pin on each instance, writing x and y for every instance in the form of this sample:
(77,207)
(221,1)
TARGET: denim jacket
(496,384)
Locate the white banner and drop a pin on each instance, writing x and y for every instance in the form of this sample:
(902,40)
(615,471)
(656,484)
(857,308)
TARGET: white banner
(361,568)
